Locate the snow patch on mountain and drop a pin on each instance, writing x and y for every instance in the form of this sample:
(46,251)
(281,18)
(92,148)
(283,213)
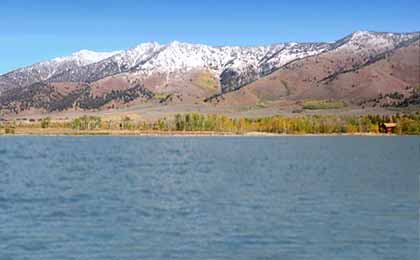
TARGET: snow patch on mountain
(365,41)
(85,57)
(132,57)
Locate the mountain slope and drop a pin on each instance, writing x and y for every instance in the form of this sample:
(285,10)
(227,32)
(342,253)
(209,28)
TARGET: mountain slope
(354,76)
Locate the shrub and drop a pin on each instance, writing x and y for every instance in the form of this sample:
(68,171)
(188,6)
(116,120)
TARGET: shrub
(45,122)
(9,131)
(86,123)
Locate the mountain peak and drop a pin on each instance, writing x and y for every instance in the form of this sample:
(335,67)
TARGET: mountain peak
(86,57)
(175,43)
(146,45)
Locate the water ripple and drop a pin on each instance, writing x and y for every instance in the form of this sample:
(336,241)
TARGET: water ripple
(208,198)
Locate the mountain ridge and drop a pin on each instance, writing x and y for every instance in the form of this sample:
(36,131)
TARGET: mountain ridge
(191,72)
(215,46)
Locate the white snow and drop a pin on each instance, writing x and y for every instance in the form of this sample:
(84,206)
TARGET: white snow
(367,42)
(86,57)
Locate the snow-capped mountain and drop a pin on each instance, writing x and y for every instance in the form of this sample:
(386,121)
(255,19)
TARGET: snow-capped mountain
(365,41)
(172,58)
(43,71)
(85,57)
(118,63)
(177,58)
(231,66)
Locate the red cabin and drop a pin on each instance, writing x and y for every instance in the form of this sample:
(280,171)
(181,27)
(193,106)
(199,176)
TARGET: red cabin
(387,128)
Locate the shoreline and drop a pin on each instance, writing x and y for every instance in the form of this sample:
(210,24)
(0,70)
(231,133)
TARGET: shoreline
(134,133)
(195,124)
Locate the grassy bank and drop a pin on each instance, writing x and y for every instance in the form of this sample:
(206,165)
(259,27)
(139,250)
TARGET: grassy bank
(198,124)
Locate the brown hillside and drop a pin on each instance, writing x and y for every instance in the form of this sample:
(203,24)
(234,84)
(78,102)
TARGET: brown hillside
(336,75)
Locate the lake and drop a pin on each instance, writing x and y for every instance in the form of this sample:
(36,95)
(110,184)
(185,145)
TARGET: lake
(209,198)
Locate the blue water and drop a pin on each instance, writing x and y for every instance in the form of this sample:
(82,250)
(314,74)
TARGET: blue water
(209,198)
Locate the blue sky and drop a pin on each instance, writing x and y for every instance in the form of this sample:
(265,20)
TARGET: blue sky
(35,30)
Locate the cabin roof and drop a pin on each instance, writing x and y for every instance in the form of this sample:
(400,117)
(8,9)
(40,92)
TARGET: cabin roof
(390,124)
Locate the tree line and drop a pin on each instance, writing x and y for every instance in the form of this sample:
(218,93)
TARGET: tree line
(195,122)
